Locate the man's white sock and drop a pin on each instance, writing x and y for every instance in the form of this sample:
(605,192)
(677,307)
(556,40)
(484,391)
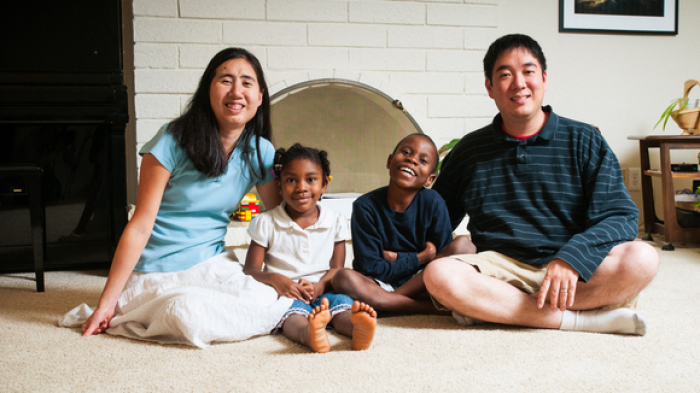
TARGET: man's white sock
(621,320)
(465,321)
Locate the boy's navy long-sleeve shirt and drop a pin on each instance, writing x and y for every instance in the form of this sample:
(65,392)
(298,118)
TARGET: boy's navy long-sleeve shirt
(376,227)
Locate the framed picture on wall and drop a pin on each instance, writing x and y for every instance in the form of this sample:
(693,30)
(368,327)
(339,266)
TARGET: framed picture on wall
(619,16)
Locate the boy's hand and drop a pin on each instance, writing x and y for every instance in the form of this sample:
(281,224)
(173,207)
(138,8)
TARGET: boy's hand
(390,256)
(430,249)
(288,288)
(428,254)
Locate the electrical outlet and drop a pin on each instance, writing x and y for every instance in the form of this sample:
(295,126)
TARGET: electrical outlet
(635,179)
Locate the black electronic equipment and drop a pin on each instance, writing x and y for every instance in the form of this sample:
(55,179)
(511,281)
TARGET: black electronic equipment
(63,107)
(684,167)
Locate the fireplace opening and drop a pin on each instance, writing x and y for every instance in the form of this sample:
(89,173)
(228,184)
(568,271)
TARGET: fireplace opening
(357,125)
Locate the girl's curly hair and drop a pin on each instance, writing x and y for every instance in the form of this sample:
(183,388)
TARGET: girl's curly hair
(283,157)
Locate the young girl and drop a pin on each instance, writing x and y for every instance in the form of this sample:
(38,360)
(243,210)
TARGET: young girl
(302,246)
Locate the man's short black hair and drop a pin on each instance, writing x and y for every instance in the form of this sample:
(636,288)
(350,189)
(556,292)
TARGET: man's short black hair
(512,41)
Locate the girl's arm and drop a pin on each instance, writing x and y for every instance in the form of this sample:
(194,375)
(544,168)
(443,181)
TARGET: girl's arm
(153,179)
(282,284)
(337,262)
(269,194)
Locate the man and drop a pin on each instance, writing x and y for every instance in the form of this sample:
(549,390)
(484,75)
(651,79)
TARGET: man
(548,213)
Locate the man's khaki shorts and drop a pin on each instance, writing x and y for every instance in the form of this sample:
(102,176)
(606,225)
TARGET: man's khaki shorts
(525,277)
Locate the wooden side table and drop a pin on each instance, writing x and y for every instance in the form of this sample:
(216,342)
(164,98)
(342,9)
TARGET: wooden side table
(652,224)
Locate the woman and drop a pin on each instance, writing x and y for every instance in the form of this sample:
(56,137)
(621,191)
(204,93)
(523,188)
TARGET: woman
(193,173)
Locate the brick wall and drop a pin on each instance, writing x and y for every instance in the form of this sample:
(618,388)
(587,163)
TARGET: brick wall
(425,53)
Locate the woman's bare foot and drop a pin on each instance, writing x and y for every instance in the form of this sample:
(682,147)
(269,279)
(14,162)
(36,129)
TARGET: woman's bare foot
(364,320)
(318,319)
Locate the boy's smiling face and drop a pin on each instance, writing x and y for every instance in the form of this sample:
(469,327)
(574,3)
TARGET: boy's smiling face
(413,163)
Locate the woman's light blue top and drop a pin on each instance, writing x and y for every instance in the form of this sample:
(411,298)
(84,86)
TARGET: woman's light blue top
(191,223)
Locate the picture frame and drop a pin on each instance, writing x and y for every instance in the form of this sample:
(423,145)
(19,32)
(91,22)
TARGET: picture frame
(658,17)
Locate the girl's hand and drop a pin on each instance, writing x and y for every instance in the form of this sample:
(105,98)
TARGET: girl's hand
(288,288)
(319,289)
(98,321)
(310,288)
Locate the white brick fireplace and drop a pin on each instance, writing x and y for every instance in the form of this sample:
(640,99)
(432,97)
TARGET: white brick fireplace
(425,54)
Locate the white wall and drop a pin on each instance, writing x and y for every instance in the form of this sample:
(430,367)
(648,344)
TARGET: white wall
(425,53)
(621,83)
(420,49)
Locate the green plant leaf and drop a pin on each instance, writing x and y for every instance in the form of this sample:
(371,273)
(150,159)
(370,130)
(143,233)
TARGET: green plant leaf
(448,146)
(444,149)
(681,102)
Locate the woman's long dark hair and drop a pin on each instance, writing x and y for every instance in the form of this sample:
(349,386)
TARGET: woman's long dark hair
(197,130)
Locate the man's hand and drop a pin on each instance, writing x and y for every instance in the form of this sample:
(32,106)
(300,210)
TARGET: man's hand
(560,283)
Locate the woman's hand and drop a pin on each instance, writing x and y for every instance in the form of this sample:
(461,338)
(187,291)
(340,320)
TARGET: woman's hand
(390,256)
(153,179)
(98,321)
(288,288)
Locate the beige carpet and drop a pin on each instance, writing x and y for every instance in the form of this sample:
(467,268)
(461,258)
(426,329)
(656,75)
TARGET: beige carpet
(411,353)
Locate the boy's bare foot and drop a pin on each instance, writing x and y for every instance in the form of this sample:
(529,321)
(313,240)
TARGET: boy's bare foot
(318,319)
(364,321)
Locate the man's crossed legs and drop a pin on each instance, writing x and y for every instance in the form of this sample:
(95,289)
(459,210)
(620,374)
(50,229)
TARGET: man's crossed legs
(464,285)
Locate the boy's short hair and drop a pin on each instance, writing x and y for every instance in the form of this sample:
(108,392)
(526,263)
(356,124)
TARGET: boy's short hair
(437,155)
(512,41)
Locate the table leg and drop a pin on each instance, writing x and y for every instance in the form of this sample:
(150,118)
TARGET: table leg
(671,228)
(647,192)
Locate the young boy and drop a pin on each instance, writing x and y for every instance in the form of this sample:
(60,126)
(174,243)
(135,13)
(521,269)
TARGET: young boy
(397,230)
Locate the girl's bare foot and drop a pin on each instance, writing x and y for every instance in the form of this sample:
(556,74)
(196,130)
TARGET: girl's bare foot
(364,320)
(318,319)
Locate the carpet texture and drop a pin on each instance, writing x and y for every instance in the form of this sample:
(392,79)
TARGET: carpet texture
(409,354)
